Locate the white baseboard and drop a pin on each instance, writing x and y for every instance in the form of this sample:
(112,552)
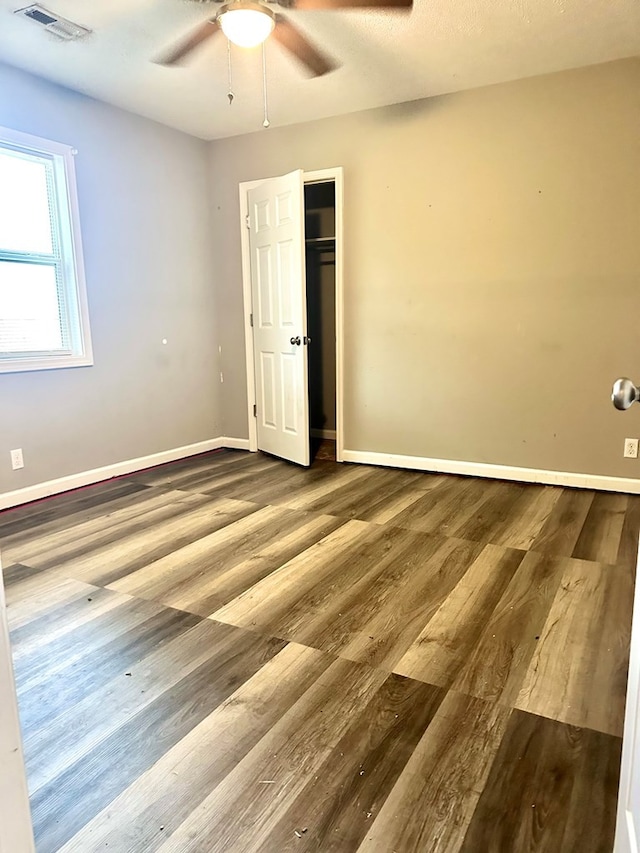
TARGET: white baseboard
(234,443)
(391,460)
(323,433)
(96,475)
(495,472)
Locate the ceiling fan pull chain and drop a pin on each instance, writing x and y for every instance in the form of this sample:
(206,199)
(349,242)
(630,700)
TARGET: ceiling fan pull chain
(266,121)
(230,92)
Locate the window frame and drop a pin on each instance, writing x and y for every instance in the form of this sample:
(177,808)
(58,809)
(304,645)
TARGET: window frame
(72,291)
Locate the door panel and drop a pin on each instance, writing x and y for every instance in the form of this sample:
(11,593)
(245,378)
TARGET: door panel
(278,289)
(288,283)
(262,215)
(290,392)
(269,419)
(265,287)
(284,209)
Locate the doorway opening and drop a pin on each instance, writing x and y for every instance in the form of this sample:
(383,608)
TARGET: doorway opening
(294,356)
(320,262)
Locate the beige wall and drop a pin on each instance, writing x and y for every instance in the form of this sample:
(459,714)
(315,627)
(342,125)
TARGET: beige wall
(492,286)
(145,214)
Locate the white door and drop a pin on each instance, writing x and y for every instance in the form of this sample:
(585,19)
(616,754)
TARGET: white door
(628,821)
(279,302)
(15,818)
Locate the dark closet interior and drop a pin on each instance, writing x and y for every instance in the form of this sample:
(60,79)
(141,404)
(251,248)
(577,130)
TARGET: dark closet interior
(320,209)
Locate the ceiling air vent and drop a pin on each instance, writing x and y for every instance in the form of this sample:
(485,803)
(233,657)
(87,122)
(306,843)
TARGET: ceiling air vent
(60,27)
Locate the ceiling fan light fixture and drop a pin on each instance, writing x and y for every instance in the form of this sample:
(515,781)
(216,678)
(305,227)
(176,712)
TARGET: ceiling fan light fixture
(246,24)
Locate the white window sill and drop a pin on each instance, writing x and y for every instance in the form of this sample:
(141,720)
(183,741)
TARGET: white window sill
(22,365)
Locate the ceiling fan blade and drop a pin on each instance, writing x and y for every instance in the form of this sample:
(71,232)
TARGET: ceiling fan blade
(184,47)
(296,43)
(352,4)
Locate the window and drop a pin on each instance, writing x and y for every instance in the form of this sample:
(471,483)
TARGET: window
(44,322)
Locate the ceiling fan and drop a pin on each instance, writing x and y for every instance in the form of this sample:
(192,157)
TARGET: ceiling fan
(248,23)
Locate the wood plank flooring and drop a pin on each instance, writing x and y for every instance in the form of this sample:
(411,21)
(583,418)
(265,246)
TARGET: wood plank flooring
(230,654)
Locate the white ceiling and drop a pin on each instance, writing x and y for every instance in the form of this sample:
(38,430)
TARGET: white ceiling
(443,46)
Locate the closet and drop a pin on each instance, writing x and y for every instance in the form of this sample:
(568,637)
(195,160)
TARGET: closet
(320,219)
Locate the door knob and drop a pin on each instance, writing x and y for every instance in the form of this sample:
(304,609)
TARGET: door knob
(295,341)
(625,393)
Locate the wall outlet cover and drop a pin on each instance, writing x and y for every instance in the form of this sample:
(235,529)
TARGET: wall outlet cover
(631,448)
(16,459)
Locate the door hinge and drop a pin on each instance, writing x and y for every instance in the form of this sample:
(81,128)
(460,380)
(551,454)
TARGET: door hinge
(251,320)
(247,219)
(255,411)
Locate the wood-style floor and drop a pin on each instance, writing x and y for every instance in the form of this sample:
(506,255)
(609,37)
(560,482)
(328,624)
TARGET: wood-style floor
(230,653)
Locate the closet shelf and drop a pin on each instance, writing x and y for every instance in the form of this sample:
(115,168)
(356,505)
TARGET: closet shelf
(322,243)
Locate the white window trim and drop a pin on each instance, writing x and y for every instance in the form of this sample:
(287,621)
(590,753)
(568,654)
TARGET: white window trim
(67,178)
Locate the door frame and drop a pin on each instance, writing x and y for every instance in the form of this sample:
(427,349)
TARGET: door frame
(320,176)
(16,834)
(626,840)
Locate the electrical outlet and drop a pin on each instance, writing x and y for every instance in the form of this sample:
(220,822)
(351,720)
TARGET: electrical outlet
(631,448)
(16,459)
